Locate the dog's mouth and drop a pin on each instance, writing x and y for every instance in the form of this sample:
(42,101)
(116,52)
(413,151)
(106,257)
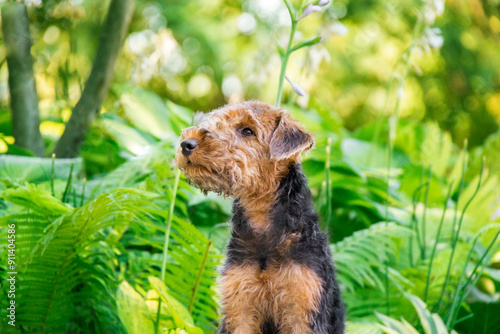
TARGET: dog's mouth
(184,162)
(203,177)
(191,163)
(191,168)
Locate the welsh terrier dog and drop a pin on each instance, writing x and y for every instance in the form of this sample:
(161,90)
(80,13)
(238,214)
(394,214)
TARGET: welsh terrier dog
(279,275)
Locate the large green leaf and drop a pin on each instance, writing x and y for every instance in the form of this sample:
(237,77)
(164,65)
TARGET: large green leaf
(181,315)
(147,112)
(36,170)
(431,322)
(124,135)
(133,311)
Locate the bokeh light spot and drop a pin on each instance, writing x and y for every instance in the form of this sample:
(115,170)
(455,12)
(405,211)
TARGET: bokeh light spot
(246,23)
(51,35)
(199,85)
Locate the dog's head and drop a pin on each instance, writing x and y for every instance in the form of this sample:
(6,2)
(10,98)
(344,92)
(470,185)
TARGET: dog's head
(241,149)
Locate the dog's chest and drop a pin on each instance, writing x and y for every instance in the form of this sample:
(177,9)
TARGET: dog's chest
(264,251)
(279,291)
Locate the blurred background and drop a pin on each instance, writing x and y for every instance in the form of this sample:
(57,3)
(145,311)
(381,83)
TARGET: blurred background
(201,54)
(402,96)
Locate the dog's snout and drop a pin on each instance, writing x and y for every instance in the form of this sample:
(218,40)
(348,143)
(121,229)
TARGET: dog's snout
(188,145)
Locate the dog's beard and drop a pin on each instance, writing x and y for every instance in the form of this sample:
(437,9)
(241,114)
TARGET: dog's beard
(208,181)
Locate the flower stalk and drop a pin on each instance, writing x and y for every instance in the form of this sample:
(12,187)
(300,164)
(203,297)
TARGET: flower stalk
(455,231)
(328,188)
(438,234)
(165,243)
(285,54)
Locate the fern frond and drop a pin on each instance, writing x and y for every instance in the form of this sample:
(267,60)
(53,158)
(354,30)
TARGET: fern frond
(37,199)
(191,272)
(358,257)
(62,273)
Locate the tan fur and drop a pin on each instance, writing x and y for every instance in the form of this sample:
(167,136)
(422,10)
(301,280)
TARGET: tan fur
(244,168)
(287,244)
(288,294)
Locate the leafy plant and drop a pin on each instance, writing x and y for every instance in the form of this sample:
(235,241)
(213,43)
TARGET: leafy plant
(430,322)
(174,315)
(62,261)
(359,256)
(191,269)
(84,279)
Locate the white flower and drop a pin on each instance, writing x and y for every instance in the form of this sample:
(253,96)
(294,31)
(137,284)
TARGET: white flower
(434,38)
(309,10)
(139,42)
(338,29)
(33,3)
(323,2)
(154,55)
(429,15)
(296,88)
(438,6)
(433,9)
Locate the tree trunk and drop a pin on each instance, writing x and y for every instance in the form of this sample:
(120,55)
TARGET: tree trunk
(99,81)
(23,95)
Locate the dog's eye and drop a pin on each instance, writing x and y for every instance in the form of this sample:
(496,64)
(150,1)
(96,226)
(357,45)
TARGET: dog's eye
(246,132)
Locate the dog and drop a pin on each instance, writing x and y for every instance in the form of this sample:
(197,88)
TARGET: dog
(279,275)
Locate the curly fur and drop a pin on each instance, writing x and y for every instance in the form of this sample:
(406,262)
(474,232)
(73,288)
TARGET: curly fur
(279,276)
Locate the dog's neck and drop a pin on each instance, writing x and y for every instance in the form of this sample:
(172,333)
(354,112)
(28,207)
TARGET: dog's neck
(281,205)
(257,210)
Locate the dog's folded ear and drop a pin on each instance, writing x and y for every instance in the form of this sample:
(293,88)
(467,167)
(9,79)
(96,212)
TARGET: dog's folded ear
(289,138)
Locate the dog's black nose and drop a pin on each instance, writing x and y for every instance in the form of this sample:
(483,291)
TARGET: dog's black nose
(188,145)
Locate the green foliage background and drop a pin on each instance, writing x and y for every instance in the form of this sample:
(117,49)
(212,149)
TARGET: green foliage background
(400,140)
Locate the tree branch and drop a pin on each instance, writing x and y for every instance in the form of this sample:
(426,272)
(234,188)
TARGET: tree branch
(99,81)
(23,95)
